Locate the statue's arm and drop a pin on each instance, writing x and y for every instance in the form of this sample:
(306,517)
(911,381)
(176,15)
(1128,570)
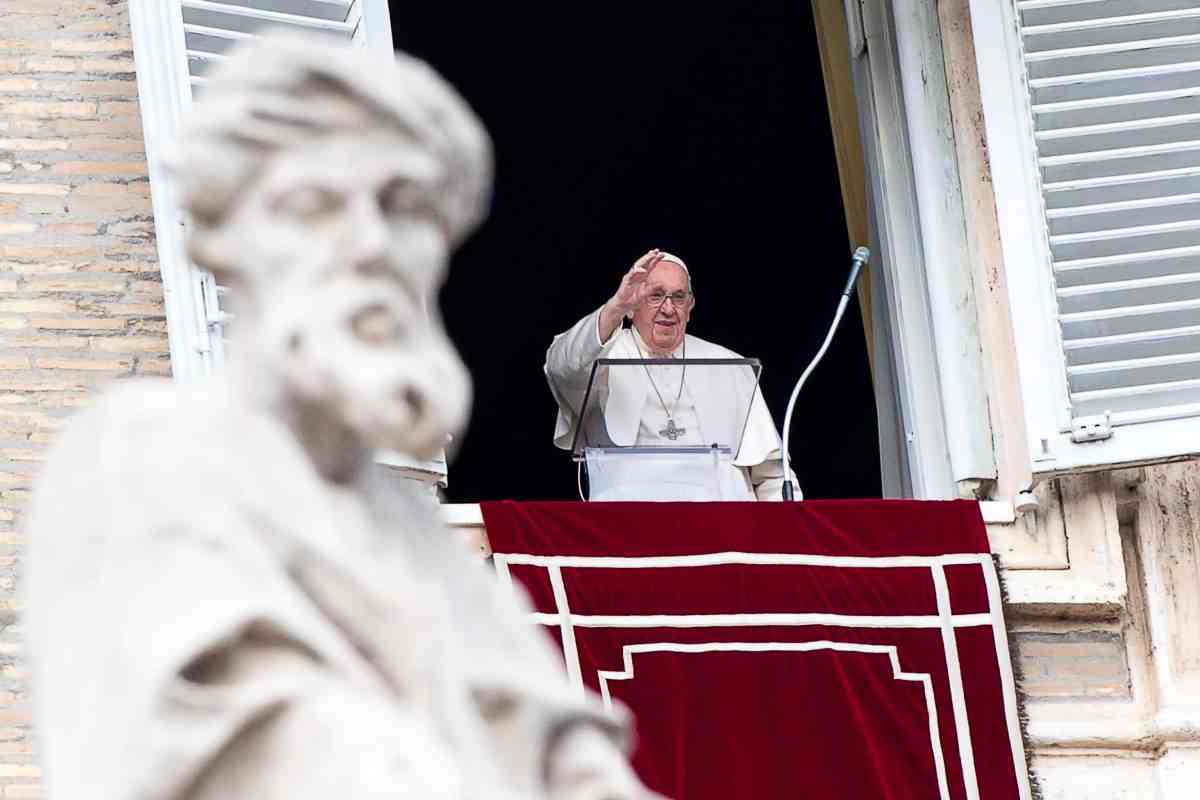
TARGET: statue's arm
(330,739)
(176,660)
(264,700)
(579,750)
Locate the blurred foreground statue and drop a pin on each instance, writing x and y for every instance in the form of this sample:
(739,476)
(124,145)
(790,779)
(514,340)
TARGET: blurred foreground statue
(225,598)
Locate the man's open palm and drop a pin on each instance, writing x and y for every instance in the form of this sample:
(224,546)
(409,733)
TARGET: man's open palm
(633,285)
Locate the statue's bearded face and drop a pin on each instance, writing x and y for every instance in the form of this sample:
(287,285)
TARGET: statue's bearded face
(347,256)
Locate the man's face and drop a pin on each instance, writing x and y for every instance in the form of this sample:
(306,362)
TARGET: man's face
(348,256)
(663,324)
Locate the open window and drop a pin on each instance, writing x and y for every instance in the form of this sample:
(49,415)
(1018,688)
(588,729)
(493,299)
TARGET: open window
(731,182)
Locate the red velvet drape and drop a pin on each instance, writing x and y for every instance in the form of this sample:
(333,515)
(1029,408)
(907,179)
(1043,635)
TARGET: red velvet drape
(816,650)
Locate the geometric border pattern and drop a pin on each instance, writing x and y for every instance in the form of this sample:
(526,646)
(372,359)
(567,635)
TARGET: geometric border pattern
(944,620)
(935,738)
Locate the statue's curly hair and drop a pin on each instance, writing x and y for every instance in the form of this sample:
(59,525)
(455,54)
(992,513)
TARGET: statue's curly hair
(285,89)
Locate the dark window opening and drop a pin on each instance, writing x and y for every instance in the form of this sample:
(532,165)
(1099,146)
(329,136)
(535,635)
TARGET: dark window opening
(697,128)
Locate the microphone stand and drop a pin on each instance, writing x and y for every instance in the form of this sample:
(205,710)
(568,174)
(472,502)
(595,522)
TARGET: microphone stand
(790,488)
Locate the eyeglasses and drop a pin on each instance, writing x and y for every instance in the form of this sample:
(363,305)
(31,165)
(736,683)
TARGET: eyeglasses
(678,299)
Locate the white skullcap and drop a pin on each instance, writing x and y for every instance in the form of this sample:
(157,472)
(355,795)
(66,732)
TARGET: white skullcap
(665,256)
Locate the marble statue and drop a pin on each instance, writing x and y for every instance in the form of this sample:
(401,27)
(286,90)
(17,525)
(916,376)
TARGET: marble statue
(225,598)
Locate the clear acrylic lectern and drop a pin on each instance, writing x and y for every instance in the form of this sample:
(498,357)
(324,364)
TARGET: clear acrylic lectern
(666,428)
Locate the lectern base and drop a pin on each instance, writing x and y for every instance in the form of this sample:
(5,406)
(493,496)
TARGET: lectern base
(664,474)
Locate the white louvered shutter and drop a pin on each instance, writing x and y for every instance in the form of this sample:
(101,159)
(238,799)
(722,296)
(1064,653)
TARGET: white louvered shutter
(176,42)
(1110,106)
(210,29)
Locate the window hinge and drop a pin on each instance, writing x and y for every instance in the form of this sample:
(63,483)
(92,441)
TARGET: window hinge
(1095,428)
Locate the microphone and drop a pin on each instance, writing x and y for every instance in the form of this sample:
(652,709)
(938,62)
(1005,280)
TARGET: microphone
(857,261)
(860,258)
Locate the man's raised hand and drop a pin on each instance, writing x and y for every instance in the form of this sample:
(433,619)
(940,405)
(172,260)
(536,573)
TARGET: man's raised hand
(633,284)
(629,295)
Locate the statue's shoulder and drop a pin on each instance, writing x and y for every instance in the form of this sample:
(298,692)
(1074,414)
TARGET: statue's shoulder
(134,404)
(153,408)
(141,458)
(143,426)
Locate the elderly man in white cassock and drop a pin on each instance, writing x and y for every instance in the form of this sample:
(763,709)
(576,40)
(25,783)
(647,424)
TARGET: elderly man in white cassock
(662,405)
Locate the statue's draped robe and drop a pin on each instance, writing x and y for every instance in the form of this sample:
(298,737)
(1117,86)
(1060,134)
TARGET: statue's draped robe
(208,618)
(633,415)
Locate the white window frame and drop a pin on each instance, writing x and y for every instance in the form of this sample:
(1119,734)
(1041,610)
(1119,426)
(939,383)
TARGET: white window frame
(194,318)
(193,310)
(925,323)
(1024,239)
(164,96)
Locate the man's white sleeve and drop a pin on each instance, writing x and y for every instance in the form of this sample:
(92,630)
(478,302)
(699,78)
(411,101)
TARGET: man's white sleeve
(568,367)
(572,352)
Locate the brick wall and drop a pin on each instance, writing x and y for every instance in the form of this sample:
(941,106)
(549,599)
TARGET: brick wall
(1072,664)
(80,297)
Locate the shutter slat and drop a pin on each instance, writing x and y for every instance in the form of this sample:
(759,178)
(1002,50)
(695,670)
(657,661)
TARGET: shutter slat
(1031,5)
(1134,296)
(1127,258)
(1116,57)
(1129,377)
(1109,101)
(1111,48)
(249,20)
(1140,285)
(1034,5)
(1125,127)
(1175,411)
(1077,80)
(334,10)
(211,27)
(1144,293)
(1099,156)
(1150,363)
(1131,319)
(1115,180)
(1125,233)
(211,40)
(1123,206)
(1136,398)
(1111,22)
(1053,12)
(1144,344)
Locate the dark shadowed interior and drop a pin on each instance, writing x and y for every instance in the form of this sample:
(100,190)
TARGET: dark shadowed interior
(696,128)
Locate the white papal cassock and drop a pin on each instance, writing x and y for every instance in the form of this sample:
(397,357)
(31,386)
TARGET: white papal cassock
(707,408)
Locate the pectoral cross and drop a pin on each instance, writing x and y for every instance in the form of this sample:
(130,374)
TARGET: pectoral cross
(671,431)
